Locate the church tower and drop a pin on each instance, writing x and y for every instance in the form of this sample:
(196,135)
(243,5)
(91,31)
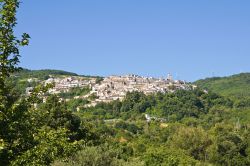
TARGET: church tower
(170,77)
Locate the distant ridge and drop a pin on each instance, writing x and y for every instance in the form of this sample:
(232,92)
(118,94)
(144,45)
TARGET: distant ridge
(237,85)
(46,72)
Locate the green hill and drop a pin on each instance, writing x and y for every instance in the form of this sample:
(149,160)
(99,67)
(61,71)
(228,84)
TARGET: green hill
(42,74)
(233,86)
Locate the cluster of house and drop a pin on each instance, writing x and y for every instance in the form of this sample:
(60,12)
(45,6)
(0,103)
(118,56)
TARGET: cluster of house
(65,84)
(116,87)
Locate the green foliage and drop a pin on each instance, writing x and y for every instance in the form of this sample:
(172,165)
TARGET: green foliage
(15,127)
(38,137)
(182,132)
(31,132)
(97,156)
(51,144)
(229,147)
(129,127)
(76,103)
(132,98)
(233,86)
(165,156)
(196,137)
(9,45)
(41,74)
(57,114)
(76,91)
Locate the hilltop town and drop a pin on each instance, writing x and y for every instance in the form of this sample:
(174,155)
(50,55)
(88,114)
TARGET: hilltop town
(114,87)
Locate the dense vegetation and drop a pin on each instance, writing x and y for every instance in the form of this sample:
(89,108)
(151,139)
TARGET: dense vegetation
(187,127)
(193,127)
(233,86)
(42,74)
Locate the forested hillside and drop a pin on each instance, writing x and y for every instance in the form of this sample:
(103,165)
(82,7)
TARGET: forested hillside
(233,86)
(41,74)
(184,128)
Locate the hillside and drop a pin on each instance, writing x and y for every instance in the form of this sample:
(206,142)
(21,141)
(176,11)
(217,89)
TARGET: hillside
(30,78)
(41,74)
(233,86)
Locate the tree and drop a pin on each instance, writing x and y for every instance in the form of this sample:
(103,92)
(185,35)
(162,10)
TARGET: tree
(9,44)
(229,147)
(51,144)
(167,156)
(131,99)
(14,126)
(196,137)
(98,156)
(24,139)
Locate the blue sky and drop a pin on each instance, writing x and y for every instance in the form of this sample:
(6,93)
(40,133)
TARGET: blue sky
(191,39)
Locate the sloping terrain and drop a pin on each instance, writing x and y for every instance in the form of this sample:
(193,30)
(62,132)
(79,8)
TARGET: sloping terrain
(233,86)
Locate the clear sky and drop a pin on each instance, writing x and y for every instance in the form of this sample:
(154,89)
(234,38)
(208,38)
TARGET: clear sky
(191,39)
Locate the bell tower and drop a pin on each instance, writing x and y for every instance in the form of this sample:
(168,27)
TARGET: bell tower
(170,77)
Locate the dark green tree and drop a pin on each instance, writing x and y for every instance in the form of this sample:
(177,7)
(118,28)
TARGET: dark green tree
(14,128)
